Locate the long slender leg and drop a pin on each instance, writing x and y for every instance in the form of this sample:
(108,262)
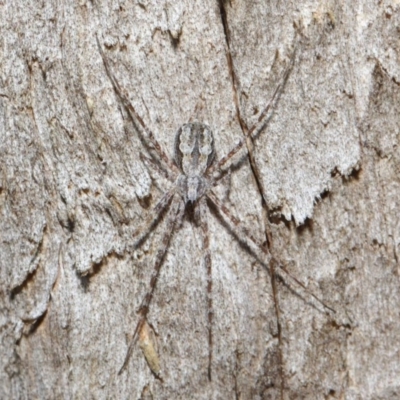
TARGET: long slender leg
(271,263)
(208,265)
(152,218)
(256,129)
(175,214)
(155,166)
(248,140)
(259,251)
(240,231)
(132,112)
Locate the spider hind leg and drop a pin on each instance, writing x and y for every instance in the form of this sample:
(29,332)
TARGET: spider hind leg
(174,215)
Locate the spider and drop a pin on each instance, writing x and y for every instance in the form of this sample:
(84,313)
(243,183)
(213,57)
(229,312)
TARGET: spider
(193,173)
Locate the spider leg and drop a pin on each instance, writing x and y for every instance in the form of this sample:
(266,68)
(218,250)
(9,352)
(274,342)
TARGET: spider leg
(152,218)
(256,129)
(241,233)
(248,140)
(266,259)
(147,133)
(175,214)
(259,251)
(155,166)
(208,265)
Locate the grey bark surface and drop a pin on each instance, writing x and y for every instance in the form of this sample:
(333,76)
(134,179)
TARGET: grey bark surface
(73,189)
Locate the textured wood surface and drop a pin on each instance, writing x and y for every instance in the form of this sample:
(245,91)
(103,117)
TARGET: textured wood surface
(73,189)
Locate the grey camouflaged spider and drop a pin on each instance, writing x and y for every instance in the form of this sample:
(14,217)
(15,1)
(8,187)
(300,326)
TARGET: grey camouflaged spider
(193,174)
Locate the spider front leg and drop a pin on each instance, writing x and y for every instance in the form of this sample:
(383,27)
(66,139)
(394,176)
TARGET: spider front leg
(257,128)
(146,133)
(208,265)
(175,214)
(150,162)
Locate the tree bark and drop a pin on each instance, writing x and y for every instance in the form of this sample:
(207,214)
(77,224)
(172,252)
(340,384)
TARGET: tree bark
(322,193)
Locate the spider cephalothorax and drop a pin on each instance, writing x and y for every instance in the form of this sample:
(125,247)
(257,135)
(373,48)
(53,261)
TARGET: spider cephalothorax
(194,153)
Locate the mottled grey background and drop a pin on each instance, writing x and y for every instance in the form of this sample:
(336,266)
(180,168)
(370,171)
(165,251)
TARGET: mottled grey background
(73,189)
